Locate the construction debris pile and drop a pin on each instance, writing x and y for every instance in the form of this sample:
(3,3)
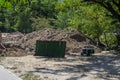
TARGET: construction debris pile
(25,44)
(8,45)
(11,37)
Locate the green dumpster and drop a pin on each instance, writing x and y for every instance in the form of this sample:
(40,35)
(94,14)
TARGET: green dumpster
(50,48)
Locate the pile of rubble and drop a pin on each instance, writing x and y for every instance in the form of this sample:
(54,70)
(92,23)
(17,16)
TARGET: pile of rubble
(26,43)
(75,40)
(11,37)
(7,44)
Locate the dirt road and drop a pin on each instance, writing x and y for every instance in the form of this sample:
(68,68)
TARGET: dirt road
(97,67)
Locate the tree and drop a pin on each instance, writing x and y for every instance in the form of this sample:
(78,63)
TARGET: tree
(5,7)
(24,24)
(43,8)
(92,20)
(11,11)
(113,6)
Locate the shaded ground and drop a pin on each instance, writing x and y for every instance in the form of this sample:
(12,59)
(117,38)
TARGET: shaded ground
(98,67)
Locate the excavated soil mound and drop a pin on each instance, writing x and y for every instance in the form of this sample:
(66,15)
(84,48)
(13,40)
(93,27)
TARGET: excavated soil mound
(75,40)
(8,46)
(25,44)
(11,37)
(12,50)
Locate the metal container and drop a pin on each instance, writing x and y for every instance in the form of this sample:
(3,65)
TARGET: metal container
(50,48)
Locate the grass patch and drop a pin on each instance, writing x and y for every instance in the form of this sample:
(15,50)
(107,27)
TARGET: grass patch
(30,76)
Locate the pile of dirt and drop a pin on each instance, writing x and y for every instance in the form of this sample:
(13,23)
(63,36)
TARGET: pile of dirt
(11,50)
(8,47)
(75,40)
(11,37)
(25,44)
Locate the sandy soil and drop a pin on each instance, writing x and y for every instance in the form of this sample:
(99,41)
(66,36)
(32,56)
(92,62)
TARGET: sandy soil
(97,67)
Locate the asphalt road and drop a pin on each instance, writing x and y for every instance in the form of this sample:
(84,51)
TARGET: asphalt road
(7,75)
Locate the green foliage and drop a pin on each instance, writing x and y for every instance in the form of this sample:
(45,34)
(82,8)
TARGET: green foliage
(109,39)
(62,20)
(39,23)
(23,23)
(14,14)
(5,4)
(92,17)
(43,8)
(112,6)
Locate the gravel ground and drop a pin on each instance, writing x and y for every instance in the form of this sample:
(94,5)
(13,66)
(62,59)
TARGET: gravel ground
(73,67)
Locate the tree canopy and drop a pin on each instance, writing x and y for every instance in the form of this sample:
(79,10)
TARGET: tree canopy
(97,19)
(113,6)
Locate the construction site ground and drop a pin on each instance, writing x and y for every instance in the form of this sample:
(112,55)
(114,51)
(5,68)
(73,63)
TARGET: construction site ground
(17,55)
(18,44)
(101,66)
